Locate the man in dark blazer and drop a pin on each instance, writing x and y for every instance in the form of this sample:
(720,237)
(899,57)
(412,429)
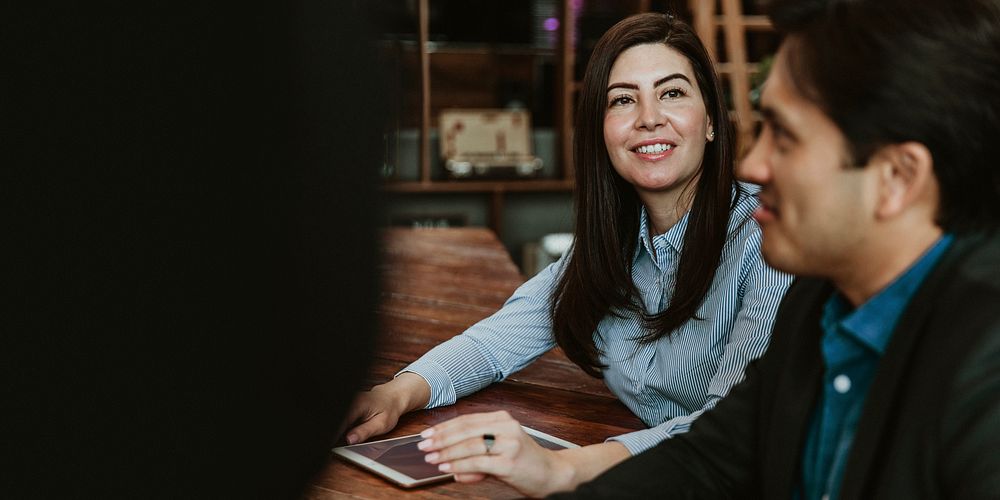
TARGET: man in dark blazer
(880,188)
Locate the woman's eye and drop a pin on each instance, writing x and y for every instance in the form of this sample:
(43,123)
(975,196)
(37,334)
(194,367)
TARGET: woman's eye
(673,93)
(620,100)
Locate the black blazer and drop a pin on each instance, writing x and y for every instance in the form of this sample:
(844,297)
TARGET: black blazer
(931,421)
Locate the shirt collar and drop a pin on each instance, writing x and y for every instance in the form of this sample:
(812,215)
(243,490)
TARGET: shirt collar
(872,323)
(674,237)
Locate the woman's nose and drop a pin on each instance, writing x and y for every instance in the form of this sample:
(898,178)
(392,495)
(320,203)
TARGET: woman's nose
(651,115)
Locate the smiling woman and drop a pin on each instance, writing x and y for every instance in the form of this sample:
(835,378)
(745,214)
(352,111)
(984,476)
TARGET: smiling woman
(664,293)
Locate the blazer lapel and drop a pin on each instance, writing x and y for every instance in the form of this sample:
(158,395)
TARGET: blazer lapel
(885,391)
(795,394)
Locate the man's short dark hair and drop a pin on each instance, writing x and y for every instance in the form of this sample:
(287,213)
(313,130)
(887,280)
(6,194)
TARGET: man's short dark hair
(892,71)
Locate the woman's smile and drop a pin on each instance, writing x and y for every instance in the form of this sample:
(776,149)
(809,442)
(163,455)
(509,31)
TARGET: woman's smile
(654,150)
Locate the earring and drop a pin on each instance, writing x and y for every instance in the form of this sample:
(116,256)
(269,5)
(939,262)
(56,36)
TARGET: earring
(711,135)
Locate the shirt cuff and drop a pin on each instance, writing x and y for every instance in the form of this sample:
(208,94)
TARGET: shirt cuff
(442,388)
(640,441)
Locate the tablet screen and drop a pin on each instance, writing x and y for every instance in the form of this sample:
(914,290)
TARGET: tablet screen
(400,454)
(399,459)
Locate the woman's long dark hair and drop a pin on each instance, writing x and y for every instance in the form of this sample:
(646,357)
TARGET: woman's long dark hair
(597,279)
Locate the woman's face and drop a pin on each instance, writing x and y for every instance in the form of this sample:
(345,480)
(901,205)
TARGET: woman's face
(655,124)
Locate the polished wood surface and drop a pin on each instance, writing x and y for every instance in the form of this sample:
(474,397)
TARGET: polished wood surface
(437,282)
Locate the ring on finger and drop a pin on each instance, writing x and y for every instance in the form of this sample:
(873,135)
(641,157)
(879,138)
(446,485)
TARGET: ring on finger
(489,440)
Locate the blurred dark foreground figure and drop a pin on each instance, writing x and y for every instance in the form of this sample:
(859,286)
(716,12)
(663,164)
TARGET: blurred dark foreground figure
(191,207)
(880,189)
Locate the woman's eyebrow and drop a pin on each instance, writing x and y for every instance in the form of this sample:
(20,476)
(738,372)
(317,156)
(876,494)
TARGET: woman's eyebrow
(661,81)
(629,86)
(667,78)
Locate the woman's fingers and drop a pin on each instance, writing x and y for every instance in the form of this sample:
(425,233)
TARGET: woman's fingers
(467,448)
(371,414)
(466,427)
(474,446)
(494,465)
(490,444)
(465,422)
(378,424)
(469,478)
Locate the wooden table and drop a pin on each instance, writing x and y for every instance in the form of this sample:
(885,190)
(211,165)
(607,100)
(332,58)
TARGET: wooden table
(437,283)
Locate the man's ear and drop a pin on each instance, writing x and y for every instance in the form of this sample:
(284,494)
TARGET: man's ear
(906,179)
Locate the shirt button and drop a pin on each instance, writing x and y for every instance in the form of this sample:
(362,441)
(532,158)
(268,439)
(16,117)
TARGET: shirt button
(842,384)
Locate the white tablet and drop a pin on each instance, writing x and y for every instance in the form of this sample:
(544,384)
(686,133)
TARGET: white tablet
(400,461)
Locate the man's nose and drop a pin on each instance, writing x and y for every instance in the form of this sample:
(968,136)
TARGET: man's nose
(754,167)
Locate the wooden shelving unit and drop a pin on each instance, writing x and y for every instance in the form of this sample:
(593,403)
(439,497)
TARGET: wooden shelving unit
(496,188)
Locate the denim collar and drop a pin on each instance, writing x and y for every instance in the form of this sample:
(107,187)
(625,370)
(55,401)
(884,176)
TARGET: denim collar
(872,323)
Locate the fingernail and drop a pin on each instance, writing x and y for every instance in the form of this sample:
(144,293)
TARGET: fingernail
(428,432)
(431,457)
(351,439)
(424,445)
(445,467)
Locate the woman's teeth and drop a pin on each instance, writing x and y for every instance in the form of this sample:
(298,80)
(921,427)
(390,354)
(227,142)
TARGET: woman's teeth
(654,148)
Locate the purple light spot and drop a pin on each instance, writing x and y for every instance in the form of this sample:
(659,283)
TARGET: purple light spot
(551,24)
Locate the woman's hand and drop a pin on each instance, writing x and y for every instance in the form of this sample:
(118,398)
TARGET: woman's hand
(458,446)
(377,411)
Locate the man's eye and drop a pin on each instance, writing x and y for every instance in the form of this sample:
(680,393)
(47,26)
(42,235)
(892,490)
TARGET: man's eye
(781,137)
(780,134)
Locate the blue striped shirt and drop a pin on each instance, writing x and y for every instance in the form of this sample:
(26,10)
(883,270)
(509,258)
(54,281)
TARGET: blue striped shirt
(667,383)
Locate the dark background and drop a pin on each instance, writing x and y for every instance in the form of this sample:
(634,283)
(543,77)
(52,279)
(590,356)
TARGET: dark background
(190,208)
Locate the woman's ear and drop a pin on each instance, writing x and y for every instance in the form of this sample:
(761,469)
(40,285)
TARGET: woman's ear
(710,131)
(906,176)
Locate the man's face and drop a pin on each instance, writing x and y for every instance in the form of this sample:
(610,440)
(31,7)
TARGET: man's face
(816,211)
